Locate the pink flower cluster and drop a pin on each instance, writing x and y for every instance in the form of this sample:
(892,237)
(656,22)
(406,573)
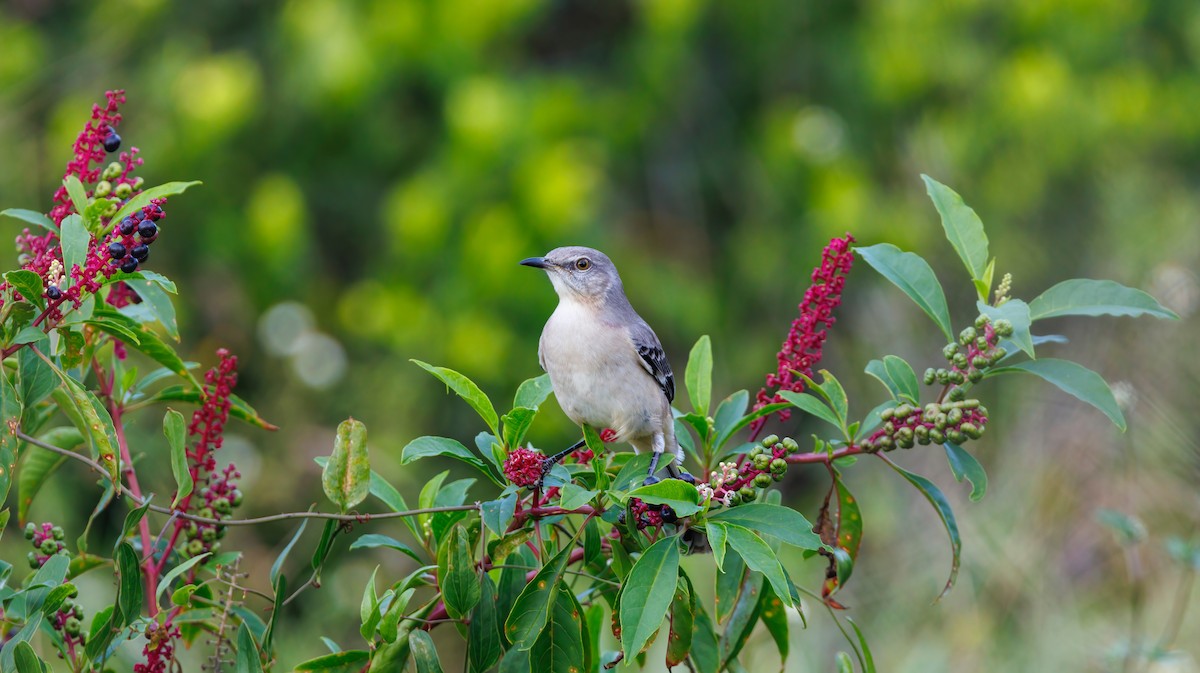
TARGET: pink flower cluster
(89,148)
(523,467)
(159,650)
(801,350)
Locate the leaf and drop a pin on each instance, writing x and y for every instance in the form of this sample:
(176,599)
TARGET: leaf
(423,447)
(868,660)
(575,496)
(902,375)
(749,418)
(97,424)
(497,514)
(456,574)
(483,638)
(731,410)
(963,228)
(698,375)
(717,536)
(424,653)
(847,539)
(678,494)
(248,658)
(935,497)
(238,408)
(914,277)
(530,611)
(148,343)
(783,523)
(560,647)
(175,430)
(347,475)
(373,540)
(29,284)
(143,199)
(25,659)
(516,424)
(1072,378)
(682,619)
(810,404)
(338,662)
(773,615)
(30,216)
(533,392)
(647,593)
(176,572)
(1129,529)
(741,621)
(277,565)
(159,303)
(466,389)
(704,654)
(729,582)
(963,464)
(74,238)
(1016,312)
(1083,296)
(129,589)
(37,378)
(38,464)
(758,556)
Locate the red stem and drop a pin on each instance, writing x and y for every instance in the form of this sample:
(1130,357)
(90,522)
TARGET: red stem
(151,568)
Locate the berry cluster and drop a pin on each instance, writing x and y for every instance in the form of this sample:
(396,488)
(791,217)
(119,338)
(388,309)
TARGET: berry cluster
(523,467)
(765,463)
(126,251)
(906,425)
(47,540)
(159,649)
(68,621)
(973,353)
(221,497)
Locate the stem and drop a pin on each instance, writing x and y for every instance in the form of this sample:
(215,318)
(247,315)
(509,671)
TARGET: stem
(823,457)
(151,568)
(1179,609)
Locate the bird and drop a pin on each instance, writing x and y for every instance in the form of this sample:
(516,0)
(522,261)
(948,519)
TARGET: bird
(606,365)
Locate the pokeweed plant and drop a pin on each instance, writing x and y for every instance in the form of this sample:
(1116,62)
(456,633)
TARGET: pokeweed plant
(530,569)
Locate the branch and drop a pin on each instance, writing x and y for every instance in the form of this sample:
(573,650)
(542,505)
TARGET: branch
(823,457)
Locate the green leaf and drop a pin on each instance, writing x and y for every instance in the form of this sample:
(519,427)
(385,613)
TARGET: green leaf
(248,658)
(533,392)
(1083,296)
(75,239)
(483,636)
(38,464)
(423,447)
(560,648)
(347,475)
(741,621)
(76,193)
(868,660)
(729,582)
(1016,312)
(30,216)
(647,593)
(148,343)
(678,494)
(698,375)
(731,410)
(97,424)
(350,661)
(936,498)
(773,614)
(1129,529)
(758,556)
(682,620)
(1072,378)
(156,304)
(497,514)
(175,429)
(55,598)
(704,655)
(37,378)
(466,389)
(176,572)
(777,521)
(963,464)
(456,574)
(129,589)
(424,653)
(279,589)
(238,408)
(143,199)
(963,228)
(717,536)
(810,404)
(373,540)
(516,424)
(724,437)
(25,659)
(531,610)
(914,277)
(29,284)
(575,496)
(277,565)
(902,375)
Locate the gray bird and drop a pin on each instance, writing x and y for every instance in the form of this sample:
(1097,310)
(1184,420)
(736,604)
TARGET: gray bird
(606,365)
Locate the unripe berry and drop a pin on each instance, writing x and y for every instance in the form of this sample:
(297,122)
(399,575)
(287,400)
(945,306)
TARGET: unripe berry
(57,533)
(103,189)
(887,414)
(123,190)
(929,376)
(966,336)
(48,547)
(956,394)
(950,351)
(761,461)
(982,343)
(1004,328)
(970,404)
(981,322)
(903,411)
(30,530)
(954,417)
(762,480)
(974,376)
(747,494)
(112,142)
(755,451)
(790,444)
(72,626)
(208,535)
(112,171)
(192,530)
(922,434)
(138,182)
(195,548)
(980,362)
(971,430)
(236,498)
(779,465)
(222,504)
(770,440)
(955,436)
(205,512)
(33,561)
(904,435)
(886,443)
(998,354)
(889,428)
(936,436)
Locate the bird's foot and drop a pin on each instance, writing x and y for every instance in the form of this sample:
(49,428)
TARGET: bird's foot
(677,472)
(650,479)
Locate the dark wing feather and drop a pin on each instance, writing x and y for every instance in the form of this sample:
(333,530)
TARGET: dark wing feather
(653,358)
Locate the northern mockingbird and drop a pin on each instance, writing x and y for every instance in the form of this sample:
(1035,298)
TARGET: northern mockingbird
(606,365)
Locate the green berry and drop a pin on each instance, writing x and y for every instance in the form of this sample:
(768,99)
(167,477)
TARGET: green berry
(940,422)
(886,414)
(779,465)
(886,443)
(956,394)
(112,171)
(936,436)
(138,182)
(770,440)
(747,494)
(790,445)
(762,480)
(999,354)
(966,336)
(236,498)
(222,505)
(72,626)
(954,416)
(970,404)
(955,436)
(755,451)
(889,428)
(57,533)
(1004,328)
(903,411)
(103,189)
(982,344)
(48,547)
(761,462)
(980,362)
(971,430)
(960,361)
(30,530)
(123,190)
(950,351)
(974,376)
(208,535)
(195,548)
(929,377)
(981,322)
(33,561)
(921,432)
(205,512)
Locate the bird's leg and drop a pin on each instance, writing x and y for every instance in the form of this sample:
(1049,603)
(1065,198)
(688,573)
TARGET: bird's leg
(658,446)
(673,469)
(549,463)
(677,472)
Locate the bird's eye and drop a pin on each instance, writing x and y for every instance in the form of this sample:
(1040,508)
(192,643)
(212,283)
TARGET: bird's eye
(583,264)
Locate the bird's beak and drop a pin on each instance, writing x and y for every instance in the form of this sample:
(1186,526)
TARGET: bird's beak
(537,262)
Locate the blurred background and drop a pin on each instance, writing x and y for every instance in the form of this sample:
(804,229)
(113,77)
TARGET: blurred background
(374,170)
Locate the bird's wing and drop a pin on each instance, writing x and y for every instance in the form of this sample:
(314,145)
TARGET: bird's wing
(654,360)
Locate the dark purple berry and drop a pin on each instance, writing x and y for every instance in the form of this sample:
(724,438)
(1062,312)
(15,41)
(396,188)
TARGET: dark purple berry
(129,265)
(53,293)
(112,142)
(116,261)
(128,226)
(147,229)
(140,252)
(156,212)
(116,250)
(139,215)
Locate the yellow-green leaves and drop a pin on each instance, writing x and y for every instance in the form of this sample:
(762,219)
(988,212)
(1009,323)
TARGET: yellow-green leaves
(467,390)
(965,232)
(647,594)
(1082,296)
(347,475)
(913,275)
(698,376)
(1075,379)
(175,430)
(456,574)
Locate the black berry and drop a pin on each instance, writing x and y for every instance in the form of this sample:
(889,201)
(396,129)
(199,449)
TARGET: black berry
(129,265)
(139,215)
(116,250)
(147,229)
(53,293)
(112,142)
(128,226)
(156,212)
(140,252)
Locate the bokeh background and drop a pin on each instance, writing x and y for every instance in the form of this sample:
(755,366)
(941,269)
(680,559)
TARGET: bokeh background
(374,170)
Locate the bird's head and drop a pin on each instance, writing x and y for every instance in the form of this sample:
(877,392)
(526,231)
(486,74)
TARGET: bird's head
(579,273)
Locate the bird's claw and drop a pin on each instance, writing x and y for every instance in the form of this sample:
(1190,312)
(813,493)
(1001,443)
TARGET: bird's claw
(650,479)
